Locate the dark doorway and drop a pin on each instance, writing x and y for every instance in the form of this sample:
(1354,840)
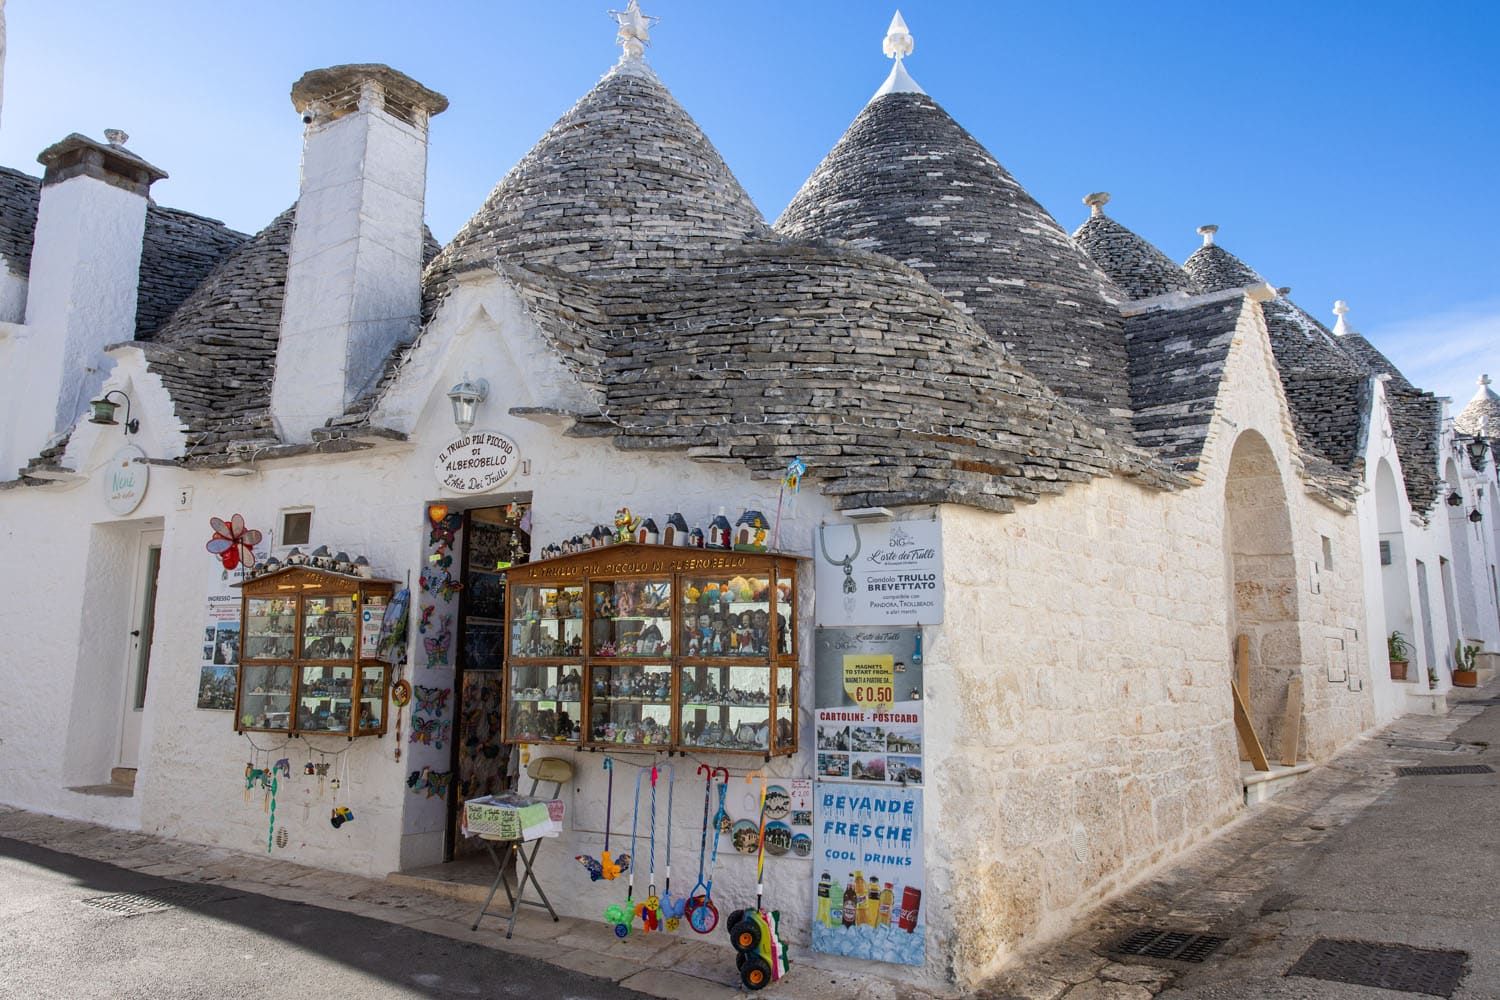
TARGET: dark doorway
(495,538)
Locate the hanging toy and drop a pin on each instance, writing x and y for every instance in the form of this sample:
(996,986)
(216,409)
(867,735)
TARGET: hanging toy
(649,909)
(605,867)
(756,934)
(672,908)
(621,916)
(271,824)
(702,914)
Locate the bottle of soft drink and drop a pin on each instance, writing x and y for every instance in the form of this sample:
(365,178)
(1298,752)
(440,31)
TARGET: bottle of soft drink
(883,915)
(825,900)
(850,900)
(859,884)
(911,902)
(872,906)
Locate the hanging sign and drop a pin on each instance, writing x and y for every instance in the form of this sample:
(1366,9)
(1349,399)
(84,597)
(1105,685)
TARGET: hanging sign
(879,574)
(868,705)
(477,462)
(125,480)
(867,859)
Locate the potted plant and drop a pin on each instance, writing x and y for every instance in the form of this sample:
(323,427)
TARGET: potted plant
(1465,674)
(1398,650)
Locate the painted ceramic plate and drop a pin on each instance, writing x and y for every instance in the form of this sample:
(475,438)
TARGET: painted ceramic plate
(801,845)
(745,835)
(778,838)
(778,802)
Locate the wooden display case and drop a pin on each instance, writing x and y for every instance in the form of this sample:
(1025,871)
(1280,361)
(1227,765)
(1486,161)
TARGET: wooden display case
(654,647)
(308,654)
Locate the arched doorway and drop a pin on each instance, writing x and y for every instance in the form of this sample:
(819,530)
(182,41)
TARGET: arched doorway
(1395,585)
(1262,575)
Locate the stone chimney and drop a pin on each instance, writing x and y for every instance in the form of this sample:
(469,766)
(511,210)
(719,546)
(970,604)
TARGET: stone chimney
(81,296)
(354,275)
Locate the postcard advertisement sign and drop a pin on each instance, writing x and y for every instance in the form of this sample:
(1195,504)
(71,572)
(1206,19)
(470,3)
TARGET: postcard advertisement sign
(879,574)
(868,705)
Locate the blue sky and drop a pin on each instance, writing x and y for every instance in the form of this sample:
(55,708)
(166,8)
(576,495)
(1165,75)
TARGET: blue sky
(1346,149)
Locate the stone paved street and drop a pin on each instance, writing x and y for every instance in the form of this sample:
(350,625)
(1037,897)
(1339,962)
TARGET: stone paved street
(1351,852)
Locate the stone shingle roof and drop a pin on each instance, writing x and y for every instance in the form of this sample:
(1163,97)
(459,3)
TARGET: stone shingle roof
(19,195)
(1139,269)
(1176,367)
(781,348)
(1484,409)
(216,355)
(178,251)
(908,181)
(1216,269)
(1416,422)
(625,183)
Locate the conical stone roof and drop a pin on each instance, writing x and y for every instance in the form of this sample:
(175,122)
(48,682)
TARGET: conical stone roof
(908,181)
(1216,269)
(1483,408)
(1135,265)
(625,183)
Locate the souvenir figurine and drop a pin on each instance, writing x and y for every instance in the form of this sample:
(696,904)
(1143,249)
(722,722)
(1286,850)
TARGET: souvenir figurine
(363,569)
(646,533)
(342,563)
(600,537)
(625,525)
(676,531)
(695,538)
(750,532)
(321,558)
(295,557)
(719,531)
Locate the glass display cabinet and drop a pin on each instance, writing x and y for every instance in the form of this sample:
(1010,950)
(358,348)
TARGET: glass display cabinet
(669,648)
(309,658)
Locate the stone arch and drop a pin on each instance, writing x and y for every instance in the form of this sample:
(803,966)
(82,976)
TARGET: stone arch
(1395,584)
(1262,573)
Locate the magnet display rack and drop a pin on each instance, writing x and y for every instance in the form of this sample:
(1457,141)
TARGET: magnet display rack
(654,647)
(308,660)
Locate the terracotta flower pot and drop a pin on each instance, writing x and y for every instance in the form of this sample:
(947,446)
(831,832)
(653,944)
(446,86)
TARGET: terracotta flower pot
(1465,678)
(1398,670)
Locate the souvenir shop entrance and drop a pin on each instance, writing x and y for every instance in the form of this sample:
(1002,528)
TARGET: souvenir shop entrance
(494,539)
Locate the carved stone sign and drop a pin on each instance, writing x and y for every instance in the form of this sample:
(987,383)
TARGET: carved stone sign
(478,462)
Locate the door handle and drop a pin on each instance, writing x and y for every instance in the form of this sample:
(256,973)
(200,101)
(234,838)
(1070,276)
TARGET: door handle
(135,633)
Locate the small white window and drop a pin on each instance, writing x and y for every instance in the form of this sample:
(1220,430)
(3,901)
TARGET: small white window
(296,526)
(1327,552)
(1385,553)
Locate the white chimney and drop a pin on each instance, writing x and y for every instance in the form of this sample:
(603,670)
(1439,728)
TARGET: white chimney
(81,296)
(354,274)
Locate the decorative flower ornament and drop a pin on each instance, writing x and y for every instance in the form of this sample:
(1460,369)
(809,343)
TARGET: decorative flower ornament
(232,542)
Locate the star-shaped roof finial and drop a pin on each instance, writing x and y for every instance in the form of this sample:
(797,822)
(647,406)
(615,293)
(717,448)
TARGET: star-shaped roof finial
(635,30)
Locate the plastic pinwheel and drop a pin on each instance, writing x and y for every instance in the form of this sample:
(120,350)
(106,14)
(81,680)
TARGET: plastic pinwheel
(233,543)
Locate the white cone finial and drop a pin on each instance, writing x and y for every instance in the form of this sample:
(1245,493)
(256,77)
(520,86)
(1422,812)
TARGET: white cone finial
(897,45)
(1341,309)
(898,41)
(1207,232)
(634,30)
(1096,202)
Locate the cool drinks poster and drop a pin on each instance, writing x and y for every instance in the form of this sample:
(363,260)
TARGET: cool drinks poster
(867,859)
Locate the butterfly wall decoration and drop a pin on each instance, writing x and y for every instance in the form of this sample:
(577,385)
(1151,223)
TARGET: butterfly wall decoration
(433,700)
(432,732)
(435,783)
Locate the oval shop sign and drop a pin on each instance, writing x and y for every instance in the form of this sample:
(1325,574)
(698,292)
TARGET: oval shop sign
(477,462)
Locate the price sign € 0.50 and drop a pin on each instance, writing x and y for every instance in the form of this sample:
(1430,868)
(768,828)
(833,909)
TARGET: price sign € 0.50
(870,679)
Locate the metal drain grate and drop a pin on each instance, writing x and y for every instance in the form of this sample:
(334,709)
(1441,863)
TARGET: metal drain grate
(1420,772)
(132,904)
(1176,946)
(1384,966)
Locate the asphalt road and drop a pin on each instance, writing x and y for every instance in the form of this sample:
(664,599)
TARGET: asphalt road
(231,944)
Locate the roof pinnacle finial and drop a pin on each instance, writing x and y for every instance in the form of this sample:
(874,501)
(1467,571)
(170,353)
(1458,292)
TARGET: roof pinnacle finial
(635,30)
(1096,202)
(897,45)
(1207,232)
(1341,309)
(898,41)
(1484,382)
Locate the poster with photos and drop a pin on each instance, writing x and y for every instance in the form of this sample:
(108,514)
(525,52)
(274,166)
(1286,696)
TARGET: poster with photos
(868,707)
(218,671)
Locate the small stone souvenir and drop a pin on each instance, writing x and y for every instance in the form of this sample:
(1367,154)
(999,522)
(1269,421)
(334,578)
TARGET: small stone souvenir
(321,558)
(646,533)
(695,538)
(295,557)
(719,531)
(676,531)
(342,563)
(363,569)
(750,532)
